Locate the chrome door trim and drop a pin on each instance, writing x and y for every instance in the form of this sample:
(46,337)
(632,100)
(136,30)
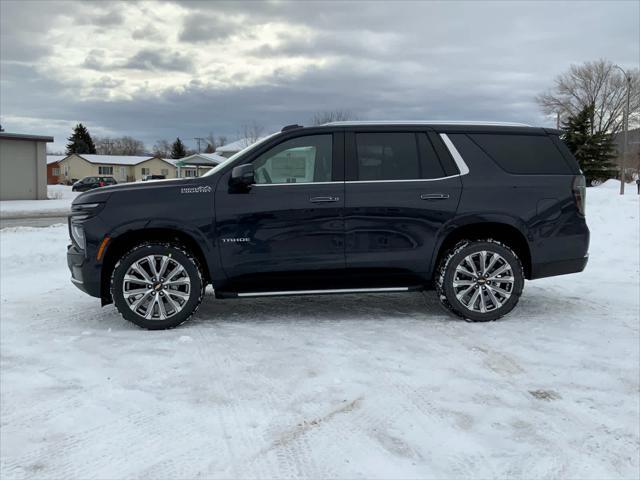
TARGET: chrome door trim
(329,290)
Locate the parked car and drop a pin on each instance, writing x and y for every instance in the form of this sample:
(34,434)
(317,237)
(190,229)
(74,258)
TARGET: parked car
(153,177)
(89,183)
(470,210)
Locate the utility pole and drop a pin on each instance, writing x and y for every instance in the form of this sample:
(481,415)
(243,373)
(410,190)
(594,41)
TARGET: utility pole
(626,129)
(558,120)
(199,139)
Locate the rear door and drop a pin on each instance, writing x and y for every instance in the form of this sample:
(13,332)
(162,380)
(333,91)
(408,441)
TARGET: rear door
(398,194)
(291,220)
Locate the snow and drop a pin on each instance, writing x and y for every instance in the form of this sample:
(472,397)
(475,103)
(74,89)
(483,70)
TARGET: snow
(116,159)
(366,386)
(58,204)
(237,145)
(54,158)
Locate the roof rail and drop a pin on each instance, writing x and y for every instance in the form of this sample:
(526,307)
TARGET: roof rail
(425,122)
(293,126)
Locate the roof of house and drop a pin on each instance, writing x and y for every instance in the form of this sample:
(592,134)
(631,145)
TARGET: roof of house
(202,159)
(22,136)
(237,145)
(116,159)
(54,158)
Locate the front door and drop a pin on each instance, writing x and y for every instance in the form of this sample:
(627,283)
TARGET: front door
(397,197)
(291,220)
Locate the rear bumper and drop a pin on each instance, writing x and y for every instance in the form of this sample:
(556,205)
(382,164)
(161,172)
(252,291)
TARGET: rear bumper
(561,267)
(82,275)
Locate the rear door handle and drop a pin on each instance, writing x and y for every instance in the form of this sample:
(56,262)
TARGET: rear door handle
(324,199)
(434,196)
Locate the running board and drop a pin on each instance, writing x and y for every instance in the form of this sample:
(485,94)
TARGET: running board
(327,291)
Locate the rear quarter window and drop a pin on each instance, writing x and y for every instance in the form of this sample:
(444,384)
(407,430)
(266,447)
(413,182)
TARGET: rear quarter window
(523,154)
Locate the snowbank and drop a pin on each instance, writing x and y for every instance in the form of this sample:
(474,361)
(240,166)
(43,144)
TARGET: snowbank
(58,204)
(368,386)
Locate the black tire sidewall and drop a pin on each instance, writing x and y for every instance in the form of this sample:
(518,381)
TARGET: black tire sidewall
(187,261)
(473,247)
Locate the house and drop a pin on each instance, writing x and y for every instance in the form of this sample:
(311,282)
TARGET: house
(124,168)
(197,164)
(53,169)
(23,166)
(234,147)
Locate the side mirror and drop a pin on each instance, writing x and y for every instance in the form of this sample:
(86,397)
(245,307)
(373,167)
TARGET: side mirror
(242,176)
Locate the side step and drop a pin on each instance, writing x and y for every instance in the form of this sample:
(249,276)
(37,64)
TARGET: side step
(327,291)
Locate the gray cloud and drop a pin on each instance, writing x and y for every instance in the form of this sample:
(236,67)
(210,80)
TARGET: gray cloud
(201,28)
(154,60)
(414,60)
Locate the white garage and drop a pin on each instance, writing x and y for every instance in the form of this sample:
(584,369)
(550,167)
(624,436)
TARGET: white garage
(23,166)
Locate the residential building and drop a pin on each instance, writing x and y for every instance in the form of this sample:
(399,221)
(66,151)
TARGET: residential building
(234,147)
(197,164)
(124,168)
(23,166)
(53,169)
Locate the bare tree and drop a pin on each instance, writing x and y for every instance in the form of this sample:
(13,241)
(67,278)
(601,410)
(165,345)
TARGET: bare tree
(162,149)
(598,83)
(252,132)
(222,140)
(119,146)
(212,143)
(320,118)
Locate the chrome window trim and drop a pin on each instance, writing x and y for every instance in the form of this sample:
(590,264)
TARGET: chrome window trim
(293,183)
(403,180)
(462,166)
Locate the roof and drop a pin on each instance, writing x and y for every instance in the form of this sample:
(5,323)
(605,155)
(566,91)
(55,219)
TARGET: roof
(21,136)
(237,145)
(116,159)
(354,123)
(54,158)
(198,160)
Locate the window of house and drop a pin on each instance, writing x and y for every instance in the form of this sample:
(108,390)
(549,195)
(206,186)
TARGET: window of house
(299,160)
(189,172)
(387,156)
(105,170)
(145,171)
(55,171)
(66,170)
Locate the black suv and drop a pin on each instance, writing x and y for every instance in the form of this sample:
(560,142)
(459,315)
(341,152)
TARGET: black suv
(470,210)
(89,183)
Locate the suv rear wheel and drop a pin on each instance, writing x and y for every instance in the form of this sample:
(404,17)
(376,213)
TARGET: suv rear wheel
(480,280)
(157,286)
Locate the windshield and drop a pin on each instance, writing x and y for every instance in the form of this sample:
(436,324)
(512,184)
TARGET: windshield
(217,168)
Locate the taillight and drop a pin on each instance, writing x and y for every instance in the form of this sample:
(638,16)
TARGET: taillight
(579,193)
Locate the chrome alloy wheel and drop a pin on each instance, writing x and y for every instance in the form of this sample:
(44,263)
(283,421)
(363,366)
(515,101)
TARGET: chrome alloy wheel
(156,287)
(483,281)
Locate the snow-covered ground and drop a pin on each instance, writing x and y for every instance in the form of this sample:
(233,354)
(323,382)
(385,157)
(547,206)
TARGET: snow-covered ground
(58,203)
(369,386)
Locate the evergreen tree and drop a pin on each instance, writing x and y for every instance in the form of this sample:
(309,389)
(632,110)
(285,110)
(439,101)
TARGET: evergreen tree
(80,141)
(178,150)
(593,150)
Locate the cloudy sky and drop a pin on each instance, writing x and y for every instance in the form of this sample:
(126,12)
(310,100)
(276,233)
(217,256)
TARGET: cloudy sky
(157,70)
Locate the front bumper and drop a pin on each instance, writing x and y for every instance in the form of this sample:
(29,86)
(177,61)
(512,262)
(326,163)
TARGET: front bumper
(82,274)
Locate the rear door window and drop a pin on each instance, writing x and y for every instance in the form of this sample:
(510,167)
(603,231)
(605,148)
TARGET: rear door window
(387,156)
(523,154)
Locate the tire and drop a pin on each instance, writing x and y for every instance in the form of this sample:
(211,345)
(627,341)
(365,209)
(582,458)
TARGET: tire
(464,289)
(163,302)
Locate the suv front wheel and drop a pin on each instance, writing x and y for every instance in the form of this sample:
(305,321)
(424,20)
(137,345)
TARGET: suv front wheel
(157,286)
(480,280)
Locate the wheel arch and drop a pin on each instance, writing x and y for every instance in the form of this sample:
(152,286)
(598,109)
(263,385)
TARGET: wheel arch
(122,243)
(504,232)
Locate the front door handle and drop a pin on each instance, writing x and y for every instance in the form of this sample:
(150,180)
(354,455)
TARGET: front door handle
(324,199)
(434,196)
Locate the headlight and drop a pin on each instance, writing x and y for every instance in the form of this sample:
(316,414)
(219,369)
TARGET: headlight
(80,213)
(77,234)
